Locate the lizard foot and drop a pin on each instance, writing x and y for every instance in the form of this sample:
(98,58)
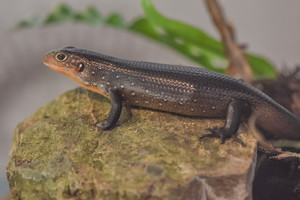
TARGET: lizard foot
(103,126)
(223,134)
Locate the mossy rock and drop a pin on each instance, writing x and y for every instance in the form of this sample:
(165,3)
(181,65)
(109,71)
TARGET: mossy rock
(58,153)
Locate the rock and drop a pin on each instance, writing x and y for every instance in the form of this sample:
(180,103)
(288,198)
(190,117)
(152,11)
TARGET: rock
(277,176)
(57,153)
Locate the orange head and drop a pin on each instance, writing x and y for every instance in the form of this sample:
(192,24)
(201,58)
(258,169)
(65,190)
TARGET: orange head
(75,64)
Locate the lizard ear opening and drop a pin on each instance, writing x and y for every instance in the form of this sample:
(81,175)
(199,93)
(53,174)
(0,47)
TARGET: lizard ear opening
(80,67)
(61,57)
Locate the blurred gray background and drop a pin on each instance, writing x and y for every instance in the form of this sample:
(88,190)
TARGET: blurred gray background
(269,27)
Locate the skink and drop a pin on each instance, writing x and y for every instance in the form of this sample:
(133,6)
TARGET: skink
(184,90)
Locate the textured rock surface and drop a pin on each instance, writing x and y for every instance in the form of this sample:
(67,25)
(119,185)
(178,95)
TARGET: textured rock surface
(57,153)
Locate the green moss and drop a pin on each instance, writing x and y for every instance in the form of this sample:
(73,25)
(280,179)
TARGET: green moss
(58,153)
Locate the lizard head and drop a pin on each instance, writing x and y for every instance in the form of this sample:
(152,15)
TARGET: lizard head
(66,62)
(75,64)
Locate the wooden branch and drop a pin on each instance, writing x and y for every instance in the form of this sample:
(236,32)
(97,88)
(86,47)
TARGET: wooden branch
(238,64)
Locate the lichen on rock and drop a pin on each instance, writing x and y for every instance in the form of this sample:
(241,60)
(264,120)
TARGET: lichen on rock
(58,153)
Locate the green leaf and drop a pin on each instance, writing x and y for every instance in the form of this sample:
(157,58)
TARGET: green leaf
(80,17)
(115,20)
(90,15)
(61,14)
(143,26)
(261,67)
(186,34)
(196,44)
(28,23)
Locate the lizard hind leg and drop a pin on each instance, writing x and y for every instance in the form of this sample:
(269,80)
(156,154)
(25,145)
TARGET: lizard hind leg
(236,110)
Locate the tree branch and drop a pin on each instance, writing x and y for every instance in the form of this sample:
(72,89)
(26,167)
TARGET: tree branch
(238,64)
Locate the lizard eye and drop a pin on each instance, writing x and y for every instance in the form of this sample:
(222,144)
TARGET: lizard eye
(80,67)
(60,57)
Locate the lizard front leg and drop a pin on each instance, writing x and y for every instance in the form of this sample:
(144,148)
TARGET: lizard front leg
(115,111)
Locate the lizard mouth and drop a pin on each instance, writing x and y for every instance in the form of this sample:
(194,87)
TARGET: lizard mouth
(55,67)
(50,62)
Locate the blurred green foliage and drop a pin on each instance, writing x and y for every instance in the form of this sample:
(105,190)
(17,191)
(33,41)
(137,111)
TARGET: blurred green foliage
(190,41)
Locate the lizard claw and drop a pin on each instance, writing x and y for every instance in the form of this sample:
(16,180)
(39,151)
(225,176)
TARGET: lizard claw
(103,126)
(221,133)
(238,140)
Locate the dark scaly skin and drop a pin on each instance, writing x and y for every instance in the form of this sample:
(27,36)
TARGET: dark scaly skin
(184,90)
